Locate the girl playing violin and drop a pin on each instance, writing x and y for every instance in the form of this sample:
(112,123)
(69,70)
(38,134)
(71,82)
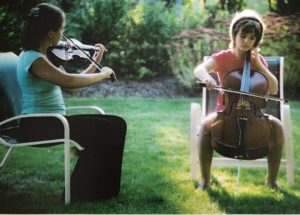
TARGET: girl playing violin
(246,33)
(102,136)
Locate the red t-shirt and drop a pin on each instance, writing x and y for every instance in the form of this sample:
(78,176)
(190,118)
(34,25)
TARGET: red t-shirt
(227,61)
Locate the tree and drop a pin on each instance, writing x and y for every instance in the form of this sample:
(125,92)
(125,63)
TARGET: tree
(284,7)
(11,13)
(232,5)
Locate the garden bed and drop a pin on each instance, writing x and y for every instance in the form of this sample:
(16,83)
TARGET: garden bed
(160,87)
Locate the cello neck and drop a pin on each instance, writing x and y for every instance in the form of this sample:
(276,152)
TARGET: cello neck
(245,85)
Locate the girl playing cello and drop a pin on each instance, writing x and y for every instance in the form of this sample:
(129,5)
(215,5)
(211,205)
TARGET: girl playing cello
(246,32)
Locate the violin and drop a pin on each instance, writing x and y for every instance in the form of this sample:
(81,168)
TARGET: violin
(74,52)
(242,130)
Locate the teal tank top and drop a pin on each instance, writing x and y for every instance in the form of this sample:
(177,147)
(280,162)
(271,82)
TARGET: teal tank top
(38,95)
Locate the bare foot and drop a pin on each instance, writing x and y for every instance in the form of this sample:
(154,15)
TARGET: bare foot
(204,186)
(273,185)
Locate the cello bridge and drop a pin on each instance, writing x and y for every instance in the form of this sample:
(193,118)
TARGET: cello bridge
(243,104)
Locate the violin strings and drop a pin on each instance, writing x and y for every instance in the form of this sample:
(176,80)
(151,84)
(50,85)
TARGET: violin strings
(97,65)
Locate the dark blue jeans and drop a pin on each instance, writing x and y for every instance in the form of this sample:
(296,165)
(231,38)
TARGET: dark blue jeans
(97,173)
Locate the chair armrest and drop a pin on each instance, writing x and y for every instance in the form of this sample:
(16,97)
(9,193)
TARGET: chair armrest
(94,108)
(59,117)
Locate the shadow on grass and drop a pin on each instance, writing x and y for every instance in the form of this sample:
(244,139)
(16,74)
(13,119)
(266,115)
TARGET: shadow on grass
(147,183)
(266,202)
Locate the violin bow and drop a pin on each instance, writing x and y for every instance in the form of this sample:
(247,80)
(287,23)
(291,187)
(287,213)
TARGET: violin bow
(202,84)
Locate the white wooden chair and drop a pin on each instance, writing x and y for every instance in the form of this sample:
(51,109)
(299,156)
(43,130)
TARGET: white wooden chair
(10,103)
(278,109)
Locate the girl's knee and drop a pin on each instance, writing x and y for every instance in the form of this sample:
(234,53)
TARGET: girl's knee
(277,132)
(118,123)
(204,129)
(277,126)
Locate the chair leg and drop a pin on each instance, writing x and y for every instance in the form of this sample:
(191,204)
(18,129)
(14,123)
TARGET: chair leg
(6,156)
(67,172)
(289,152)
(237,179)
(195,117)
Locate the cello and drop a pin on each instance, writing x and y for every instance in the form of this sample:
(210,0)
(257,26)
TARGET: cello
(242,130)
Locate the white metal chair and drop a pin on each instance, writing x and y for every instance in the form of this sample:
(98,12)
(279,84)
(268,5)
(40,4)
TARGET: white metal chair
(10,102)
(278,109)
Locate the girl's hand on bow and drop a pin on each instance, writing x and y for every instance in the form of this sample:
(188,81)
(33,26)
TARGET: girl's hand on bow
(108,72)
(210,82)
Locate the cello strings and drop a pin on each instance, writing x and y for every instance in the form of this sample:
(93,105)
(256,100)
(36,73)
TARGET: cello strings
(245,85)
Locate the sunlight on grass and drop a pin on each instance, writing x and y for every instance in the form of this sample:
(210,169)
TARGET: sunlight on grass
(182,192)
(155,170)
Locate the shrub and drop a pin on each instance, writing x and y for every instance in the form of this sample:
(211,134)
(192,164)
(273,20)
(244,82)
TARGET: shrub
(188,48)
(97,20)
(281,39)
(139,51)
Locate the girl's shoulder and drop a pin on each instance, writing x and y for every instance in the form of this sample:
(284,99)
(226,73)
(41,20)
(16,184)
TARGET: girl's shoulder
(224,53)
(26,58)
(31,53)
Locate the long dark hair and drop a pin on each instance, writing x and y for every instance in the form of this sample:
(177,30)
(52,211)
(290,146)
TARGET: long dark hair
(37,24)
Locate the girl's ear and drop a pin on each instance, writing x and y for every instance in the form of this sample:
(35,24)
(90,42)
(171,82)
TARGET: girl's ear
(50,34)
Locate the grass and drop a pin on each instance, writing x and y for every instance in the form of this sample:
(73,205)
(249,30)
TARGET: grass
(155,172)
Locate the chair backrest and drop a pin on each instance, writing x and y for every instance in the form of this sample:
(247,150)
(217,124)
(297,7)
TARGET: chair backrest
(275,65)
(10,92)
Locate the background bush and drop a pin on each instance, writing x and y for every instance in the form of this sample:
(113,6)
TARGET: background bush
(148,38)
(188,48)
(138,51)
(281,39)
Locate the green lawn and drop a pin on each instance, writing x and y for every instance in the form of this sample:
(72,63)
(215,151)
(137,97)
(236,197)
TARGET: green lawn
(155,172)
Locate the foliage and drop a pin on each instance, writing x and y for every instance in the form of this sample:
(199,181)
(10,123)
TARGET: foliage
(155,171)
(187,49)
(232,5)
(10,26)
(284,7)
(7,22)
(143,37)
(281,39)
(97,20)
(134,33)
(11,13)
(138,51)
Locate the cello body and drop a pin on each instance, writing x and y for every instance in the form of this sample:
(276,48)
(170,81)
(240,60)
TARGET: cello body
(241,130)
